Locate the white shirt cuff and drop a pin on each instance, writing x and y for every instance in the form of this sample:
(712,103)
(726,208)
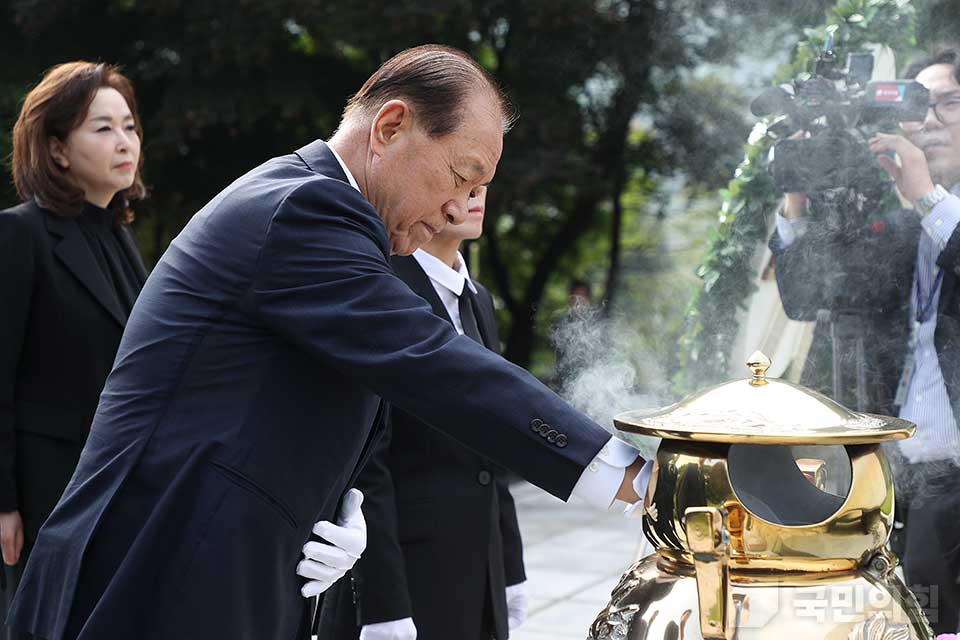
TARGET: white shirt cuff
(600,481)
(789,229)
(942,220)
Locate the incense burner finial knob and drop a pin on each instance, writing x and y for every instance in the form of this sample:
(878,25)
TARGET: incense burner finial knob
(758,364)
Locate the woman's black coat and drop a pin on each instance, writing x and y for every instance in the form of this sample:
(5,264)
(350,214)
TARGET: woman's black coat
(60,324)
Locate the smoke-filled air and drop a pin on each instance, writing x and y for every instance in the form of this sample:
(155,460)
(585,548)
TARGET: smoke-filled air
(605,368)
(343,298)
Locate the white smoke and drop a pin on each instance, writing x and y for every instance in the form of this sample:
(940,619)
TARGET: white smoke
(930,479)
(605,369)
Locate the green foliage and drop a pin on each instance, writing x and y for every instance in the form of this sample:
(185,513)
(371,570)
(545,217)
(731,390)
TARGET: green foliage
(750,197)
(938,24)
(610,109)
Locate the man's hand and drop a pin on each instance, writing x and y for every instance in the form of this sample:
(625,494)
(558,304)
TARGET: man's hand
(393,630)
(324,564)
(794,205)
(627,492)
(11,536)
(517,603)
(913,175)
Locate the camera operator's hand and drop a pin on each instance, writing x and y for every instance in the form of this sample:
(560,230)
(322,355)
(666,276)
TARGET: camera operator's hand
(912,175)
(795,203)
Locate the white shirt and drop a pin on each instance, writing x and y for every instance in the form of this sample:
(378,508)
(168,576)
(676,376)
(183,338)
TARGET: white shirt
(447,282)
(350,178)
(927,402)
(600,481)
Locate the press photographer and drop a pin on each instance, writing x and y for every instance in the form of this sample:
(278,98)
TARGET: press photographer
(881,280)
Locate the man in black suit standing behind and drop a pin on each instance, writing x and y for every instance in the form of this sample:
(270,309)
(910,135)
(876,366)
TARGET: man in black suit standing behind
(248,382)
(444,557)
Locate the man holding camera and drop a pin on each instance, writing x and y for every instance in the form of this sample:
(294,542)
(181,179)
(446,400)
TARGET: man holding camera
(912,258)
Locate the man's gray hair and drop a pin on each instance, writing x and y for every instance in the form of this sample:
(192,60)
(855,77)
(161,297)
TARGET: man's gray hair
(436,80)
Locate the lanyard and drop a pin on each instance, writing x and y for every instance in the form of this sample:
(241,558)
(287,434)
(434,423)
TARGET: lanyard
(923,314)
(923,310)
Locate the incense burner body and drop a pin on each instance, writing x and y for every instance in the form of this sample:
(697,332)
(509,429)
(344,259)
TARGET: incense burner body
(754,541)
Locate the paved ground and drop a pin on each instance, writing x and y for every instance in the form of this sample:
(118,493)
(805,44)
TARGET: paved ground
(574,556)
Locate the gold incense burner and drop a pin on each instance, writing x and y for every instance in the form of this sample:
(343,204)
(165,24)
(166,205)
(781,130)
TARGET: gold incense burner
(770,507)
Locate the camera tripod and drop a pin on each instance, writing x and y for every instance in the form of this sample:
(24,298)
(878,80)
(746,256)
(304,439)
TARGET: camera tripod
(848,328)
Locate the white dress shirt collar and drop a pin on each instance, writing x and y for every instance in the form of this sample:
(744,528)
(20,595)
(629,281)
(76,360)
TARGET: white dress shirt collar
(443,274)
(350,178)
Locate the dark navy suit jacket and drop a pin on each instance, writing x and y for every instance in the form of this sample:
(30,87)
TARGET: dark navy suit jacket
(245,388)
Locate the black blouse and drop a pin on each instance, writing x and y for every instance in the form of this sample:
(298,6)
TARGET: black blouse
(102,234)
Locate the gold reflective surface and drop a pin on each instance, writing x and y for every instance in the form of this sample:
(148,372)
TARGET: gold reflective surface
(758,363)
(774,412)
(707,537)
(652,602)
(761,410)
(720,569)
(697,475)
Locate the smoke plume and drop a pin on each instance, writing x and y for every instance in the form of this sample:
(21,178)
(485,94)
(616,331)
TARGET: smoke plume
(605,369)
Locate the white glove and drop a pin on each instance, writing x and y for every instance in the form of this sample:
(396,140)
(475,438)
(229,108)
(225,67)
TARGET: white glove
(393,630)
(516,605)
(324,564)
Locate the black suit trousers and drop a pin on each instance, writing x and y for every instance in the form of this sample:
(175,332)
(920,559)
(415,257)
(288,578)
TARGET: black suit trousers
(931,554)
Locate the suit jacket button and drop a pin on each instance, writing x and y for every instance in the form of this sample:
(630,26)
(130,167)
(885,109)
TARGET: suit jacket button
(561,440)
(552,436)
(535,425)
(484,477)
(544,429)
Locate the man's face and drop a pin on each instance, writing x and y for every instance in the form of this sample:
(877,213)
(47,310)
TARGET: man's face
(423,183)
(472,227)
(940,142)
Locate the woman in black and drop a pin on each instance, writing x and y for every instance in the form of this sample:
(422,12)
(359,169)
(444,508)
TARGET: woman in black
(70,275)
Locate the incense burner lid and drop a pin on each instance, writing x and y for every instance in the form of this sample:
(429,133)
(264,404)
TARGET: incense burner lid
(761,410)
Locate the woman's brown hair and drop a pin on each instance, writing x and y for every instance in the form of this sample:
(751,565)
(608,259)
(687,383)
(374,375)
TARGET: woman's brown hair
(53,109)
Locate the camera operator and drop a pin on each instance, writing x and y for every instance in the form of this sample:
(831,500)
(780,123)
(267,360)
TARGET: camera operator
(908,262)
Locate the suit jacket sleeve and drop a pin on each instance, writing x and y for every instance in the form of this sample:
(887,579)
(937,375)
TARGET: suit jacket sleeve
(949,258)
(380,576)
(799,276)
(323,282)
(16,286)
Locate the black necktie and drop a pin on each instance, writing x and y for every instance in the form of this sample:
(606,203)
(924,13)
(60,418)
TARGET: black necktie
(468,317)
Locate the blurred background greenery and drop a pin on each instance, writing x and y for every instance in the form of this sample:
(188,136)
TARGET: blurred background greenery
(632,115)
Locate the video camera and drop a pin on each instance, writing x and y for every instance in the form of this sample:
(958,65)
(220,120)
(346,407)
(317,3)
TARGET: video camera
(848,198)
(841,110)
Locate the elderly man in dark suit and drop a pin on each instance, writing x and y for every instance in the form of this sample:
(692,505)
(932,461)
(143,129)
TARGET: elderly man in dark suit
(250,377)
(444,557)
